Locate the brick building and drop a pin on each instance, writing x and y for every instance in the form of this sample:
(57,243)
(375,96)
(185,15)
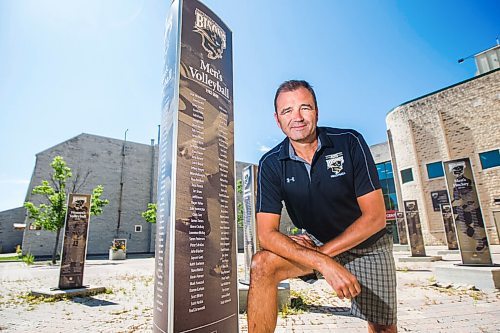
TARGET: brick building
(460,121)
(128,172)
(11,232)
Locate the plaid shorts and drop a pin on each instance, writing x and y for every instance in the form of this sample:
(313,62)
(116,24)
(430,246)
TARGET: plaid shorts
(376,273)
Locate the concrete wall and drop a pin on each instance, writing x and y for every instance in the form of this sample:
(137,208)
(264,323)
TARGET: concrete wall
(101,158)
(460,121)
(10,237)
(380,152)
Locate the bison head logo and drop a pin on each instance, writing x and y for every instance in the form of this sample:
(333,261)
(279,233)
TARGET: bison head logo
(213,37)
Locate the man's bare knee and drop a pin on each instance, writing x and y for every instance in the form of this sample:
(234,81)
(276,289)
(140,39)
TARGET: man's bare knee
(264,266)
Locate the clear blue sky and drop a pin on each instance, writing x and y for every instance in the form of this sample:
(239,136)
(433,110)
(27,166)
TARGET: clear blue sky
(94,66)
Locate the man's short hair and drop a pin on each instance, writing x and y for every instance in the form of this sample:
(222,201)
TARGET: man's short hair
(292,85)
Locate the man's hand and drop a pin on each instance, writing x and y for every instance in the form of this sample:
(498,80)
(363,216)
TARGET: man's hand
(339,278)
(305,241)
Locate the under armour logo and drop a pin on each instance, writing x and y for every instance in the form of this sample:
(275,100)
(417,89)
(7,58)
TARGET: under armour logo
(288,180)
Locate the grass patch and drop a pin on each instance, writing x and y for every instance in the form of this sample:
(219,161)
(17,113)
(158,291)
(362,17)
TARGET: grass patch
(11,258)
(28,259)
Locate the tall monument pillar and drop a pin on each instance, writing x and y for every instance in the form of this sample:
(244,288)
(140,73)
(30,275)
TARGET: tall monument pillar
(196,273)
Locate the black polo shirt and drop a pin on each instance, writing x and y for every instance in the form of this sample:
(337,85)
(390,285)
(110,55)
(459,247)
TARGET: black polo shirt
(322,200)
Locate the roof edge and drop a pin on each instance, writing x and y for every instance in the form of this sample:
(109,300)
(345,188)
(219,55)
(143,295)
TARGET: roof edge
(91,135)
(442,89)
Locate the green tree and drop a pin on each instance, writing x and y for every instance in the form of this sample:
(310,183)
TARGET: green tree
(52,214)
(150,214)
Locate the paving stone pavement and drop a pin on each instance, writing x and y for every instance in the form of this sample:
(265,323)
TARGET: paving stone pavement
(422,306)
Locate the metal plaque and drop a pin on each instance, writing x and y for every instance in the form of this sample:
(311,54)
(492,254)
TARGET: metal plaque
(75,241)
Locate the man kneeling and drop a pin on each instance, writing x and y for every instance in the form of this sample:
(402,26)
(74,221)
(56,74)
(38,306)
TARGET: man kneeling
(328,181)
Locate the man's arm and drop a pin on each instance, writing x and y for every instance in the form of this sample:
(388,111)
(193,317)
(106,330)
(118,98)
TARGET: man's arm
(340,279)
(371,221)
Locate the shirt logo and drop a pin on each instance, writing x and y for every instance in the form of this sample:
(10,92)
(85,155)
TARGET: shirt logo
(213,36)
(288,180)
(335,163)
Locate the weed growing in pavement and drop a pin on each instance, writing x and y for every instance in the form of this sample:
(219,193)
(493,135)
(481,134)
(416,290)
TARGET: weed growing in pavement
(35,300)
(476,295)
(471,292)
(28,259)
(147,280)
(122,290)
(119,312)
(429,301)
(299,302)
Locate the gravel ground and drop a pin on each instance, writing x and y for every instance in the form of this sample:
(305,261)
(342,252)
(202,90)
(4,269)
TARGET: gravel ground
(127,306)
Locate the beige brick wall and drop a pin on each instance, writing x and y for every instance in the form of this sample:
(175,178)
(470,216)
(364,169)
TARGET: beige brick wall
(380,152)
(456,122)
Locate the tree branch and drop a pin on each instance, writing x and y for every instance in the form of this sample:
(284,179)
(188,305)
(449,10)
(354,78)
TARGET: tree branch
(84,180)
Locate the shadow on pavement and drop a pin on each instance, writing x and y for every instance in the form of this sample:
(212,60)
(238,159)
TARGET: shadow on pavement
(92,302)
(337,310)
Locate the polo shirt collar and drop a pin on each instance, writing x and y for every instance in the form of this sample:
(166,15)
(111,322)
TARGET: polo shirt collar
(326,140)
(286,153)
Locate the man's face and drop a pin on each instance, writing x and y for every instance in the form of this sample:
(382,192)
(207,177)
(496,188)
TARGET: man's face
(297,115)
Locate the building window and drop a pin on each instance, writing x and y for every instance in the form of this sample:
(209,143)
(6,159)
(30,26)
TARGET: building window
(138,228)
(34,227)
(435,170)
(490,159)
(406,175)
(386,177)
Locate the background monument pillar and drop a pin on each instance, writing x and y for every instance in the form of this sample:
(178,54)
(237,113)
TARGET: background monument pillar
(74,250)
(415,236)
(250,239)
(449,227)
(401,225)
(472,237)
(414,229)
